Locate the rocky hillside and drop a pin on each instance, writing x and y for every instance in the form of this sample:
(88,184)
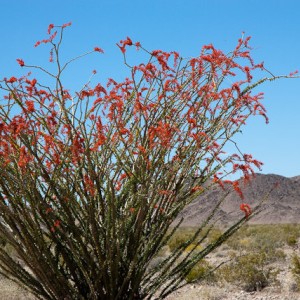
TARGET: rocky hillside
(281,206)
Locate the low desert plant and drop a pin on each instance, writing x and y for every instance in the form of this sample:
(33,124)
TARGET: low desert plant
(180,238)
(291,232)
(296,270)
(202,271)
(250,271)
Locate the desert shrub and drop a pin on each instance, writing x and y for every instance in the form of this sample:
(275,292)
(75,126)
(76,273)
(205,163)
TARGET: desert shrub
(291,234)
(180,238)
(250,271)
(296,270)
(92,178)
(292,241)
(202,271)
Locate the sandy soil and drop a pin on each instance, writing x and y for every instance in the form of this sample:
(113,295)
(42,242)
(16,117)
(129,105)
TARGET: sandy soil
(10,291)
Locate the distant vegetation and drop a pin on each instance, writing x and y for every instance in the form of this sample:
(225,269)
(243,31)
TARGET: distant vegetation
(252,256)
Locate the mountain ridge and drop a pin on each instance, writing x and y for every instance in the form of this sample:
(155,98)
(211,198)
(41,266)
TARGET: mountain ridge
(281,206)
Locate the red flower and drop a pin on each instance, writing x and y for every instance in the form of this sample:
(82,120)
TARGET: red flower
(123,176)
(246,209)
(12,79)
(236,187)
(24,158)
(123,44)
(66,25)
(33,82)
(30,105)
(37,43)
(138,45)
(128,42)
(50,27)
(118,186)
(124,131)
(97,49)
(293,73)
(21,62)
(196,188)
(57,223)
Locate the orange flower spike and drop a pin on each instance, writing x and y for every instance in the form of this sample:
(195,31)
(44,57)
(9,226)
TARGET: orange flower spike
(237,188)
(50,27)
(66,25)
(21,62)
(246,209)
(12,79)
(123,44)
(97,49)
(123,176)
(30,105)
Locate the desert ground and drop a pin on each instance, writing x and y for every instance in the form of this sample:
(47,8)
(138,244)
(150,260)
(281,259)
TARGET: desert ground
(259,266)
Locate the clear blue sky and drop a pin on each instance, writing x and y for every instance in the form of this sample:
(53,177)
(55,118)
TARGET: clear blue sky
(184,26)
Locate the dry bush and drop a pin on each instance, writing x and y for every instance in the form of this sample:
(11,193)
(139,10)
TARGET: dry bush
(251,272)
(203,271)
(296,271)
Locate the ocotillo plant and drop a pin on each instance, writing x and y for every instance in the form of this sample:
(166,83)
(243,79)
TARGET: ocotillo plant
(92,181)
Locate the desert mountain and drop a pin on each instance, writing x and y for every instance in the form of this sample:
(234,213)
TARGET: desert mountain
(281,204)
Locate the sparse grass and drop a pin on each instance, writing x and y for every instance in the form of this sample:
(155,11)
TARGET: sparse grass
(248,238)
(264,237)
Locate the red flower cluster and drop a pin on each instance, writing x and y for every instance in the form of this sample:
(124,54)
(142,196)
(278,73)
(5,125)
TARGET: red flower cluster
(97,49)
(12,79)
(55,225)
(123,44)
(66,25)
(246,209)
(50,27)
(21,62)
